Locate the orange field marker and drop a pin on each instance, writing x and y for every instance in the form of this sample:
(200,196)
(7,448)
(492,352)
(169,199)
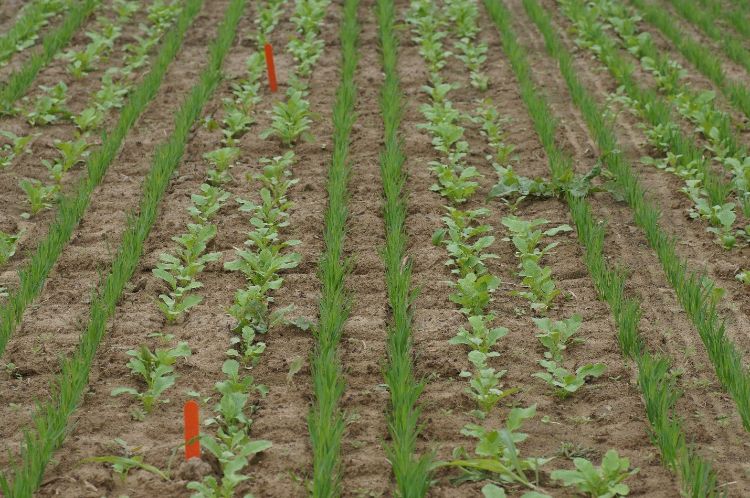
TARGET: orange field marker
(192,430)
(271,68)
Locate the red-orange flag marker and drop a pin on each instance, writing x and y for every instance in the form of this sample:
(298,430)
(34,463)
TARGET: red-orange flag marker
(271,68)
(192,430)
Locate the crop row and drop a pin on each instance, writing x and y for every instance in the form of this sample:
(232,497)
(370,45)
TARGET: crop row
(326,419)
(656,383)
(410,470)
(51,418)
(707,188)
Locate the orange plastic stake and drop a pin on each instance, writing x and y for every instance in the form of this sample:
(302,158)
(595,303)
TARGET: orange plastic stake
(271,68)
(192,430)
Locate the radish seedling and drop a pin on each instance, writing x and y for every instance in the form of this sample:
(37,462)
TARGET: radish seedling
(50,106)
(156,369)
(291,119)
(605,481)
(40,196)
(564,381)
(222,160)
(8,245)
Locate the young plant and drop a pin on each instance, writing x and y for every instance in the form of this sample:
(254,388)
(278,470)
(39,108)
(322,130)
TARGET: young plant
(291,119)
(744,277)
(564,381)
(232,445)
(497,455)
(156,369)
(455,183)
(50,106)
(236,121)
(605,481)
(180,271)
(482,337)
(473,293)
(207,203)
(484,383)
(555,336)
(542,291)
(8,245)
(40,196)
(18,145)
(222,160)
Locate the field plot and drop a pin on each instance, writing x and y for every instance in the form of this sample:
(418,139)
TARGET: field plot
(445,248)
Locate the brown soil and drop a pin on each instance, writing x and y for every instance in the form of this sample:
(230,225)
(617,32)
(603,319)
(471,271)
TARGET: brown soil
(606,413)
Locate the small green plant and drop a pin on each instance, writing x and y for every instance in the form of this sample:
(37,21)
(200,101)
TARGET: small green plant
(290,120)
(555,336)
(180,271)
(50,106)
(89,119)
(744,277)
(40,196)
(18,145)
(207,203)
(605,481)
(474,293)
(455,183)
(497,455)
(232,445)
(482,337)
(222,160)
(542,291)
(235,121)
(156,369)
(123,464)
(8,245)
(484,383)
(564,381)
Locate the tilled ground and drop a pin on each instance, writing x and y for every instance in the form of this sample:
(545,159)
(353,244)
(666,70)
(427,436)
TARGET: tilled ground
(607,413)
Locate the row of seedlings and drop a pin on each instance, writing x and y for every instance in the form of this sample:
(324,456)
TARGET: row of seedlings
(52,417)
(466,240)
(72,207)
(411,471)
(25,30)
(231,444)
(699,54)
(695,291)
(326,422)
(656,382)
(706,188)
(180,270)
(267,253)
